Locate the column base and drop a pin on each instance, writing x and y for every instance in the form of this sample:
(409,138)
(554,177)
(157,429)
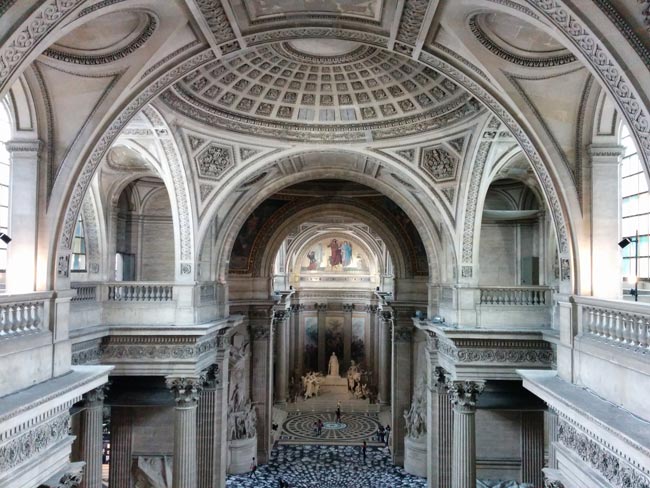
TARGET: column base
(415,456)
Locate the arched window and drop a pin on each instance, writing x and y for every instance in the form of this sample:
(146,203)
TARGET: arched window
(635,209)
(5,175)
(78,263)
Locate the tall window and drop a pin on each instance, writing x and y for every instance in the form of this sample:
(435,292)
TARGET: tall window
(5,174)
(78,263)
(635,207)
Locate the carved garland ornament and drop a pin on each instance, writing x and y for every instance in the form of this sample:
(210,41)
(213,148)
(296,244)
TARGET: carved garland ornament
(26,446)
(607,463)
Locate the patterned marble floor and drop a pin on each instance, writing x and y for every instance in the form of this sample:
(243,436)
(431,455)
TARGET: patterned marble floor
(308,466)
(354,428)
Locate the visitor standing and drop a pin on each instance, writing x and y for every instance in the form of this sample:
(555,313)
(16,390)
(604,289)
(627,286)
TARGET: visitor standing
(386,435)
(363,450)
(253,469)
(338,413)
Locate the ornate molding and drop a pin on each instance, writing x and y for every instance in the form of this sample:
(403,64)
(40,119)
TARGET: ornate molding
(94,60)
(260,332)
(157,348)
(402,334)
(26,446)
(529,62)
(497,351)
(608,463)
(463,395)
(411,21)
(348,307)
(185,390)
(24,147)
(88,352)
(212,376)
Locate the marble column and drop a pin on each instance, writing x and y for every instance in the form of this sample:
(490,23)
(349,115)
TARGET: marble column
(552,429)
(400,385)
(186,395)
(212,424)
(605,220)
(532,448)
(463,396)
(91,437)
(322,355)
(384,349)
(281,373)
(347,335)
(369,344)
(21,264)
(440,431)
(294,349)
(261,389)
(119,474)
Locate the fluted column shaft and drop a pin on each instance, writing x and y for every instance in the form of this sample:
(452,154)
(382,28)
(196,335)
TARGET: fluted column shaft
(212,425)
(384,360)
(281,361)
(463,396)
(186,394)
(347,335)
(322,355)
(119,475)
(90,441)
(551,419)
(532,448)
(439,431)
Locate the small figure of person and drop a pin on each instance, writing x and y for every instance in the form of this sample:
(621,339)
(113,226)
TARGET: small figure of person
(253,469)
(320,427)
(338,413)
(386,435)
(380,433)
(363,450)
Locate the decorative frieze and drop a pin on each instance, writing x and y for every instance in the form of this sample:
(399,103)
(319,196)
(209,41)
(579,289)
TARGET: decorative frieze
(156,348)
(496,351)
(24,447)
(439,163)
(608,463)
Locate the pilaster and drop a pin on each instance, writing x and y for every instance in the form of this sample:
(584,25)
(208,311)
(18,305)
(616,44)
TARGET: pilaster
(281,373)
(463,396)
(532,448)
(402,344)
(260,388)
(322,357)
(384,350)
(348,308)
(440,430)
(605,220)
(23,205)
(186,395)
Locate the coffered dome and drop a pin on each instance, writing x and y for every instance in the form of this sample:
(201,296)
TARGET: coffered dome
(285,90)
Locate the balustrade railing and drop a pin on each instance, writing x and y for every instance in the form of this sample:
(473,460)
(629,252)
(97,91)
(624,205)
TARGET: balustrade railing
(515,295)
(140,292)
(85,292)
(21,314)
(622,323)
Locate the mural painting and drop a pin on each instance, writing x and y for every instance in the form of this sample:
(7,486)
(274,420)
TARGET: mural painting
(334,337)
(311,344)
(336,254)
(357,348)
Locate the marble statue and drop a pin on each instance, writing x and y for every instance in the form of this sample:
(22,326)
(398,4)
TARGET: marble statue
(152,472)
(415,417)
(242,424)
(311,384)
(333,368)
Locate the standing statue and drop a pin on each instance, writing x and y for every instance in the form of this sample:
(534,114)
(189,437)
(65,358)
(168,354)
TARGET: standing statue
(415,417)
(333,368)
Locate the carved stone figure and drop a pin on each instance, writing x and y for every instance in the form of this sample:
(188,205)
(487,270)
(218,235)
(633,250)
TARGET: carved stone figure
(242,424)
(415,417)
(152,472)
(333,368)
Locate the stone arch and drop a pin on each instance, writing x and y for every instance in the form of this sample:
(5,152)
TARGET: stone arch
(560,205)
(230,225)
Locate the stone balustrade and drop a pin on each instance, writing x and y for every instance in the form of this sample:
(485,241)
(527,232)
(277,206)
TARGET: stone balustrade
(515,295)
(86,292)
(622,323)
(21,314)
(140,292)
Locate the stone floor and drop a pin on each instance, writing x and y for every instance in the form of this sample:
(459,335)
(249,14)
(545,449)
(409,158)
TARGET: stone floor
(354,428)
(307,466)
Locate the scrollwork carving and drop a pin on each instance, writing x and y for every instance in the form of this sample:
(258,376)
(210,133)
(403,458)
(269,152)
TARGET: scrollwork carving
(185,389)
(463,395)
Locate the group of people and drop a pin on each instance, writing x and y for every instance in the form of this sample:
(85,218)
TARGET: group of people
(358,389)
(383,434)
(318,427)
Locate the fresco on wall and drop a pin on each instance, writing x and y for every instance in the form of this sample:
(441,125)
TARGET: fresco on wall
(311,344)
(335,255)
(334,337)
(358,348)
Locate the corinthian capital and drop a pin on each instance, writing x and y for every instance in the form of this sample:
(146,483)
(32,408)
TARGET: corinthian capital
(185,390)
(464,394)
(95,397)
